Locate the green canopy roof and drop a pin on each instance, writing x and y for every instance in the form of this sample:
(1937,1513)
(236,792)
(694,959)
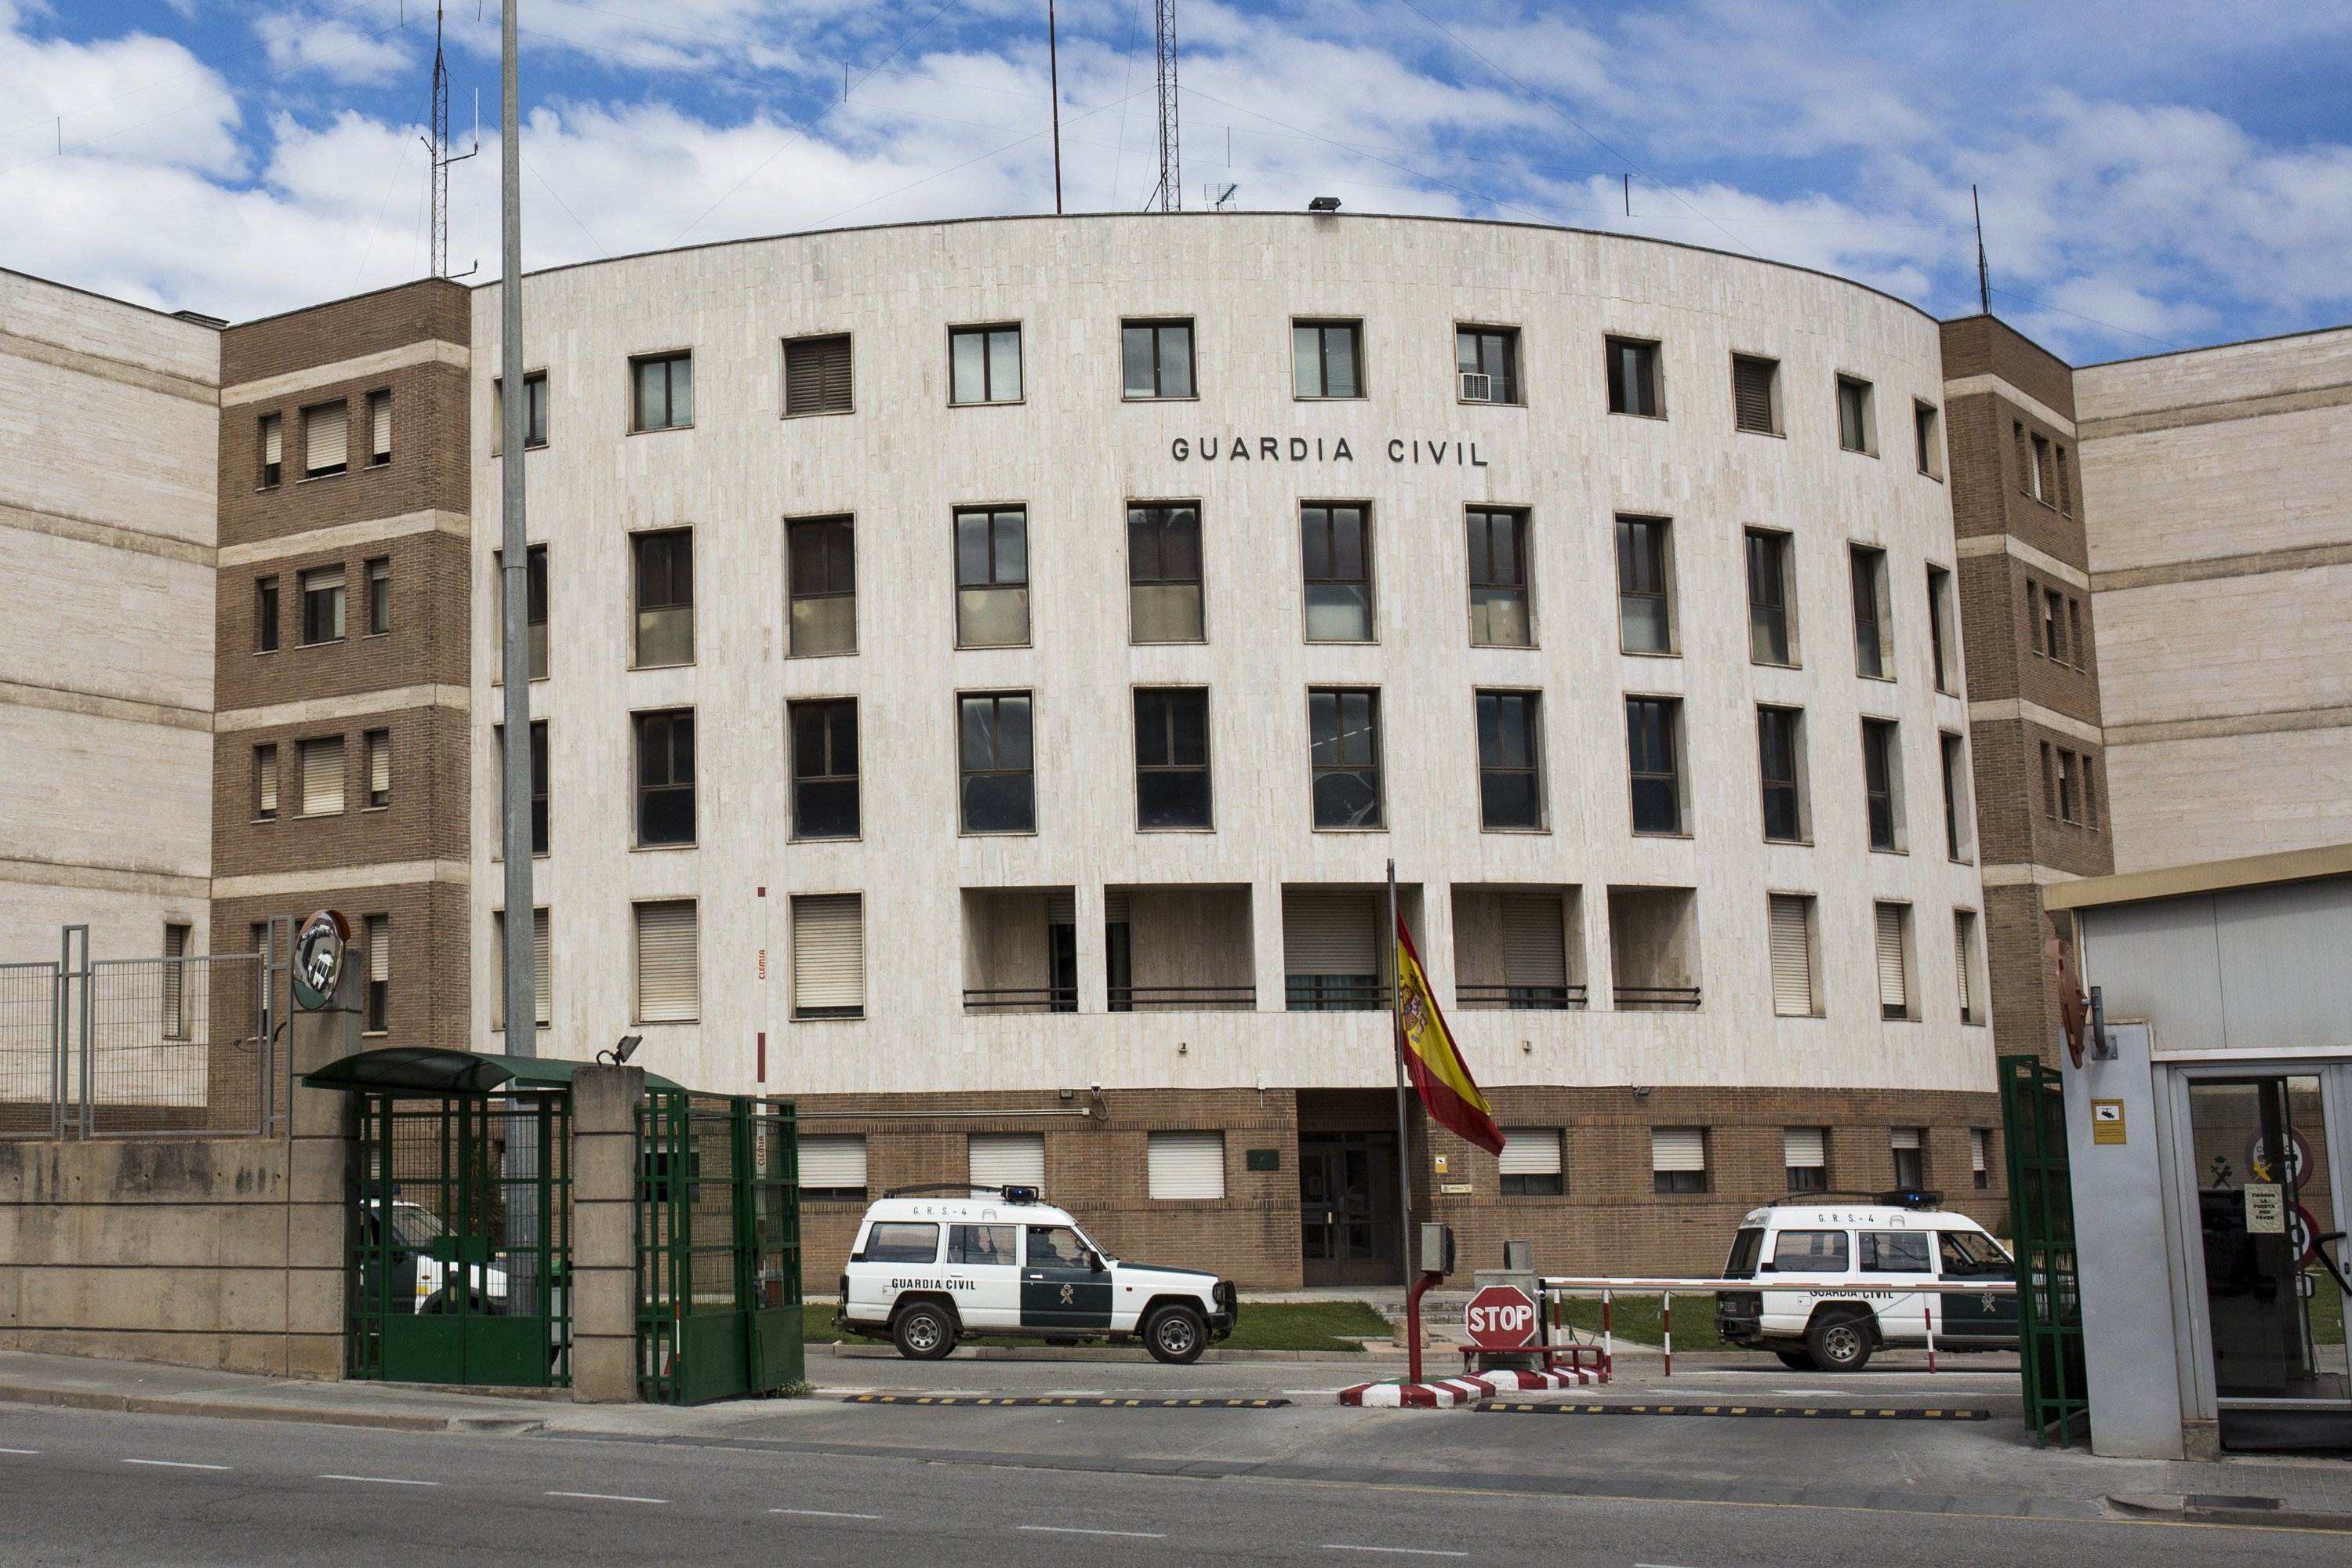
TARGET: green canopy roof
(426,1069)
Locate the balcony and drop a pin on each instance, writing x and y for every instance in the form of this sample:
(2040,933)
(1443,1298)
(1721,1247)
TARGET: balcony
(1517,948)
(1020,949)
(1177,949)
(1654,958)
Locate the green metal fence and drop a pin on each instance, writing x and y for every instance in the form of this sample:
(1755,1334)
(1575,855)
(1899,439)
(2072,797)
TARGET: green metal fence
(719,1253)
(2041,1217)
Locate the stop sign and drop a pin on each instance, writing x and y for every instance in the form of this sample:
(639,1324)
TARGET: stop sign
(1501,1317)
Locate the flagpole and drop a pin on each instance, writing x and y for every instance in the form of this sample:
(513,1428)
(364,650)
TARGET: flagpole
(1396,1045)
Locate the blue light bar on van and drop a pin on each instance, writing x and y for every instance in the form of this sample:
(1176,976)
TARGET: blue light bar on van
(1910,1198)
(1019,1194)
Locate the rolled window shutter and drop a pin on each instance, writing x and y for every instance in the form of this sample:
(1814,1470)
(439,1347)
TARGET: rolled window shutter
(1803,1148)
(326,437)
(273,439)
(1535,941)
(322,776)
(267,764)
(1330,933)
(542,968)
(1903,1137)
(1186,1164)
(1892,991)
(828,954)
(379,947)
(1960,933)
(380,766)
(1531,1151)
(1008,1158)
(669,968)
(817,376)
(1752,392)
(1976,1150)
(380,424)
(1116,907)
(1792,962)
(832,1162)
(1061,907)
(1676,1149)
(835,364)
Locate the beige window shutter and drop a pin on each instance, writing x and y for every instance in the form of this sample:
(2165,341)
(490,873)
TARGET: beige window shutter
(1903,1137)
(1008,1158)
(380,766)
(379,947)
(542,968)
(273,438)
(1804,1148)
(266,762)
(1676,1149)
(1976,1150)
(833,1161)
(1330,933)
(1894,989)
(669,966)
(1185,1164)
(828,955)
(322,776)
(1531,1151)
(1535,940)
(380,424)
(1792,958)
(326,437)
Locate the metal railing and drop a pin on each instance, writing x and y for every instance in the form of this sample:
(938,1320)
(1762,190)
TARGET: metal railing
(32,1094)
(1021,999)
(1655,998)
(1182,998)
(1334,994)
(1519,998)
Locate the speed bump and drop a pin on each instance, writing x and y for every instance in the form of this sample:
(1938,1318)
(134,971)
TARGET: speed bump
(999,1401)
(1794,1411)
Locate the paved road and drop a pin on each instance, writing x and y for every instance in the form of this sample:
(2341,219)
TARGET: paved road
(79,1487)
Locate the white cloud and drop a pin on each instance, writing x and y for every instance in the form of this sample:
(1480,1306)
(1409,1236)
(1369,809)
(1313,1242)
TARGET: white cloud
(355,44)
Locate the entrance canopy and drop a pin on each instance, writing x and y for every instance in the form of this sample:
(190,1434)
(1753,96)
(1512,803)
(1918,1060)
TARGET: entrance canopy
(429,1071)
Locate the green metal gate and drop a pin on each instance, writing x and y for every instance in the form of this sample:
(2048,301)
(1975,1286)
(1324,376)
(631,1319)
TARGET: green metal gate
(719,1246)
(460,1239)
(2041,1220)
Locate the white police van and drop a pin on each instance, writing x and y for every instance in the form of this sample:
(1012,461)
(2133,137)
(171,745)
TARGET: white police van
(1869,1246)
(926,1271)
(422,1282)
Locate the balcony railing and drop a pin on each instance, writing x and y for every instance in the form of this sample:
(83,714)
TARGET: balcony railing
(1335,994)
(1656,998)
(1022,999)
(1519,998)
(1182,998)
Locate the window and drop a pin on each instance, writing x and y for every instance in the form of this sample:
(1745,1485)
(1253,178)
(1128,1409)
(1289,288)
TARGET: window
(984,364)
(175,978)
(817,376)
(1344,754)
(534,414)
(1651,723)
(2075,634)
(264,783)
(2053,625)
(1896,1251)
(1815,1252)
(1755,395)
(1185,1164)
(1008,1160)
(379,596)
(1678,1159)
(1779,741)
(1486,359)
(264,614)
(1498,578)
(992,578)
(664,778)
(379,414)
(2062,793)
(1330,951)
(1964,948)
(322,604)
(1510,761)
(1794,992)
(1873,635)
(1939,629)
(1956,815)
(987,1246)
(999,781)
(377,936)
(664,590)
(1535,955)
(833,1165)
(272,437)
(822,565)
(825,769)
(2090,794)
(2041,474)
(828,955)
(1172,757)
(1927,434)
(1893,925)
(1531,1162)
(1327,359)
(326,439)
(1336,544)
(1857,432)
(1882,773)
(1163,572)
(322,776)
(1645,618)
(1634,377)
(2065,491)
(377,743)
(1156,359)
(1906,1144)
(1805,1152)
(901,1243)
(1980,1177)
(1771,594)
(534,577)
(669,962)
(539,784)
(663,392)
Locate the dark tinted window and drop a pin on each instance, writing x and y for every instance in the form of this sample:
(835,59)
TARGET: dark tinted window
(1650,748)
(1895,1252)
(1510,753)
(1633,377)
(1336,549)
(825,770)
(1344,752)
(665,778)
(1810,1252)
(898,1242)
(999,785)
(1172,757)
(1157,359)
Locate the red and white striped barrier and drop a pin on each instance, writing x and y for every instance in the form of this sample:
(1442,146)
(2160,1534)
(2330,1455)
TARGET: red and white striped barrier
(1453,1391)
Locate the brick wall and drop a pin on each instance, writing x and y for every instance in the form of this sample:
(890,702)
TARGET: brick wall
(431,609)
(429,962)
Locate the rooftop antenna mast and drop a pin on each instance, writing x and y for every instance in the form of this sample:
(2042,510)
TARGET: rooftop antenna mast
(1984,274)
(438,145)
(1171,194)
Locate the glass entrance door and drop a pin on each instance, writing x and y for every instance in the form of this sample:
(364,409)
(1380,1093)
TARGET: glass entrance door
(1349,1221)
(2265,1151)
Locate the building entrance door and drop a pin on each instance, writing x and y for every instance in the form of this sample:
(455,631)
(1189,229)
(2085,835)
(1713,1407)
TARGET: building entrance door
(1348,1208)
(2268,1152)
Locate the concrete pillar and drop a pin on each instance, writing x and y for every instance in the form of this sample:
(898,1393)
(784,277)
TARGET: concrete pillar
(604,1162)
(323,1125)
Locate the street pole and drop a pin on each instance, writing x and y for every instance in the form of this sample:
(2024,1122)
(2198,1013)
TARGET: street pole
(1396,1044)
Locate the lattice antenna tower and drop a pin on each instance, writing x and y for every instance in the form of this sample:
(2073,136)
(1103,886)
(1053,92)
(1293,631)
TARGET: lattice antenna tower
(439,146)
(1171,194)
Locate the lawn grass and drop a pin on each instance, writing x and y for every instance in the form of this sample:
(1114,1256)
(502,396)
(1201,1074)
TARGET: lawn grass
(1636,1318)
(1272,1326)
(2327,1313)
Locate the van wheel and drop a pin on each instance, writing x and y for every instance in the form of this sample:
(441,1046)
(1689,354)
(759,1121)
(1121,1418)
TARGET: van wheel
(1839,1342)
(923,1331)
(1796,1360)
(1176,1335)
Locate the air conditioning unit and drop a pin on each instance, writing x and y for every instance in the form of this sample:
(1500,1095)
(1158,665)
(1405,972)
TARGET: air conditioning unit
(1477,386)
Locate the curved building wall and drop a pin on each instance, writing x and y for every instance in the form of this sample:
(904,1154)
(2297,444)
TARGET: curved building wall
(945,913)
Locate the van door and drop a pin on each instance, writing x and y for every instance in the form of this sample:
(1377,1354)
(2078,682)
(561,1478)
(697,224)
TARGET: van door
(1972,1255)
(1060,1289)
(1886,1257)
(987,1256)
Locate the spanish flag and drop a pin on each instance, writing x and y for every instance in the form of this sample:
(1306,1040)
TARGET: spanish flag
(1439,1073)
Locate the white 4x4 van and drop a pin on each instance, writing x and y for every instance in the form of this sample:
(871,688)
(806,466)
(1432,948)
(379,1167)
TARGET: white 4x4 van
(926,1271)
(1870,1248)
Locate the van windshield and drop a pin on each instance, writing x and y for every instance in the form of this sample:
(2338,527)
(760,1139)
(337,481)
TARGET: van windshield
(1745,1248)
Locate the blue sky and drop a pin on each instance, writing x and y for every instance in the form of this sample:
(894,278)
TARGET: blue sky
(2152,176)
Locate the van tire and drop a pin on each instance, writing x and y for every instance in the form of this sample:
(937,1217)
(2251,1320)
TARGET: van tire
(923,1330)
(1797,1361)
(1175,1334)
(1839,1342)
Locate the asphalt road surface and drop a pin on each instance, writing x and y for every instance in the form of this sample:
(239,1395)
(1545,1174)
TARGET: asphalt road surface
(86,1488)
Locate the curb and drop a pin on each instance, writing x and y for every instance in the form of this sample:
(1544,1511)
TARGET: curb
(850,1351)
(233,1410)
(2206,1508)
(1449,1393)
